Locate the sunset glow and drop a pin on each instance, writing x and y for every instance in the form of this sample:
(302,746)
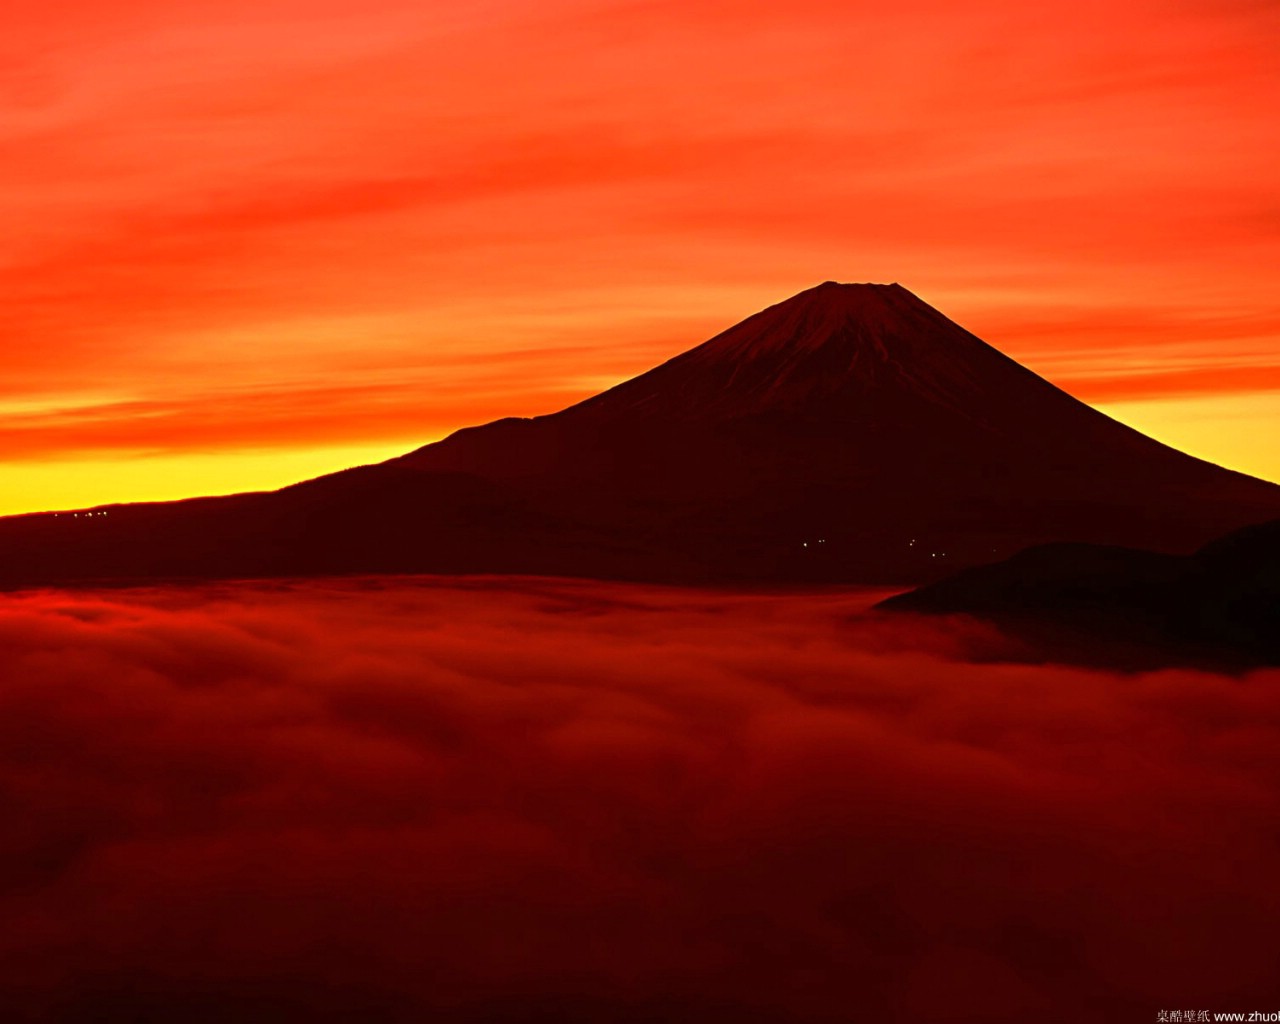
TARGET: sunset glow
(246,243)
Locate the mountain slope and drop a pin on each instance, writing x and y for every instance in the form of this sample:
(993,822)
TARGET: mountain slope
(1219,607)
(850,433)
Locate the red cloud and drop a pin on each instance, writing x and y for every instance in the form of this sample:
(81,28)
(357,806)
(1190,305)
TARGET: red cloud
(530,800)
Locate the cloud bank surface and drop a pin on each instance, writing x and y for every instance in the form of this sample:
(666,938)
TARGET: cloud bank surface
(532,800)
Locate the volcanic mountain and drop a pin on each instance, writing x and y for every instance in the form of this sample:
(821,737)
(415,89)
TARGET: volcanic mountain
(851,433)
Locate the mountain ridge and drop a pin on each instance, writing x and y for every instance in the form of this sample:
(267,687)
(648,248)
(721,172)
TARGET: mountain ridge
(1217,607)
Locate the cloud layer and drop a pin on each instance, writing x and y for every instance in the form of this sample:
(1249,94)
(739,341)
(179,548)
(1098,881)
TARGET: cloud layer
(527,800)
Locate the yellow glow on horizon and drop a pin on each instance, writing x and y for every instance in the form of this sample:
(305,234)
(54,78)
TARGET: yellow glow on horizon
(1236,431)
(85,483)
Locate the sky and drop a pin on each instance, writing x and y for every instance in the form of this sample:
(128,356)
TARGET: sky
(248,242)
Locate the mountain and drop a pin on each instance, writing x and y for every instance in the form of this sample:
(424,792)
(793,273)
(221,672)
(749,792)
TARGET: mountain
(851,433)
(1216,608)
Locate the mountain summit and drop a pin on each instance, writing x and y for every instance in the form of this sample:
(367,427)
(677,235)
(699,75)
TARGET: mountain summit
(848,357)
(851,433)
(830,344)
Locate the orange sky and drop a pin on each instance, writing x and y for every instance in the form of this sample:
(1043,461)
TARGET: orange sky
(246,242)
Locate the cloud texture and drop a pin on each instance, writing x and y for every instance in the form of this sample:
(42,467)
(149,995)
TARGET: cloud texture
(529,800)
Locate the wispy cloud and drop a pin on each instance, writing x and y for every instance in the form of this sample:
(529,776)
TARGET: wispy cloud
(187,188)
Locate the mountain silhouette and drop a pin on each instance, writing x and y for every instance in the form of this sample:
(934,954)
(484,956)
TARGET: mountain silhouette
(851,433)
(1217,608)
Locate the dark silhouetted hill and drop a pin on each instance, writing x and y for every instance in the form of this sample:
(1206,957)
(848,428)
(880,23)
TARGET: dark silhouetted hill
(1219,607)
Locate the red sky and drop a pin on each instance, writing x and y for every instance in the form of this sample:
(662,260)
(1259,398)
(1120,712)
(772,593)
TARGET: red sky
(247,242)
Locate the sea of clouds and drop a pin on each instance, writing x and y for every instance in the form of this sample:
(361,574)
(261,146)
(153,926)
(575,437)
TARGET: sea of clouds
(533,800)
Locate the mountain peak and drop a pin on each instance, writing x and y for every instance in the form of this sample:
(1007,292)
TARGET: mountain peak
(850,316)
(824,347)
(854,287)
(867,304)
(853,295)
(857,289)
